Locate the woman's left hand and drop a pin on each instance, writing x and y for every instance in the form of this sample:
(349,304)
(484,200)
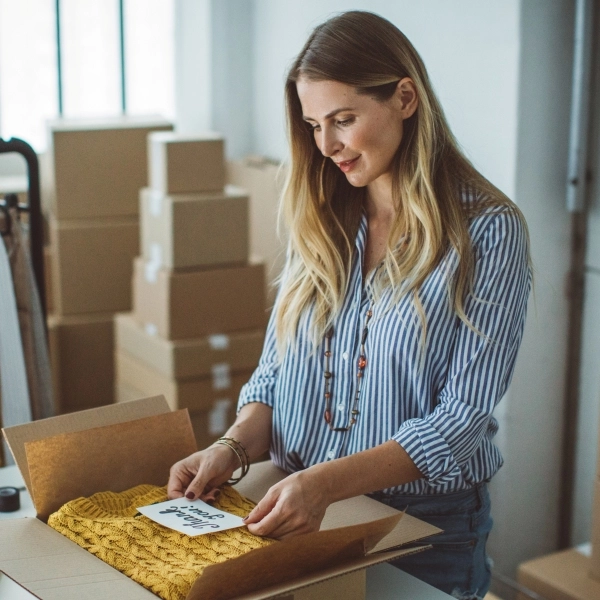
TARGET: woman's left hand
(294,506)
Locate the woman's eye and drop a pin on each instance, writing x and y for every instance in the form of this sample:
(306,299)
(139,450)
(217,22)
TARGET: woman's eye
(345,122)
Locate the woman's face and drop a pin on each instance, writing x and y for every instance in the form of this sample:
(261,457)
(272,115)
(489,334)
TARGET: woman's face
(358,132)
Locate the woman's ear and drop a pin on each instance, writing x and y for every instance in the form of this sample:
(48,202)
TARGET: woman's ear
(406,96)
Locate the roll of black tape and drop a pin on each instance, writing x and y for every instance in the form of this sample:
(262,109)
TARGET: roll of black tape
(9,499)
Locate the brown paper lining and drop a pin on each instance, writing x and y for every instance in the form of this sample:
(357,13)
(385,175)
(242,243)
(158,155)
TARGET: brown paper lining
(18,435)
(110,458)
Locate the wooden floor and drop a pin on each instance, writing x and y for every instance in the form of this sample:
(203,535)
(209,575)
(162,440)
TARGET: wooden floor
(491,596)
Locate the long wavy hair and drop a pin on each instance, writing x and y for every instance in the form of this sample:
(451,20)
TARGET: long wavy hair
(322,210)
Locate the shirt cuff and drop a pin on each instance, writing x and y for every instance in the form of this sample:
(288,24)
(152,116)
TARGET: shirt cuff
(255,392)
(428,450)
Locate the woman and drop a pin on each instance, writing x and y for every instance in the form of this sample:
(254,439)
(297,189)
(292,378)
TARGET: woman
(399,314)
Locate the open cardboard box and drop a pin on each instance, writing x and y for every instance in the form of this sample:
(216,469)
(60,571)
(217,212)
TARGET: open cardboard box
(119,446)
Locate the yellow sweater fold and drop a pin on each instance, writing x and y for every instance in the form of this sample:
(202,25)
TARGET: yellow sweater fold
(166,562)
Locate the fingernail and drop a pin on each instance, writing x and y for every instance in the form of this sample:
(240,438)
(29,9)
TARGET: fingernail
(190,495)
(245,518)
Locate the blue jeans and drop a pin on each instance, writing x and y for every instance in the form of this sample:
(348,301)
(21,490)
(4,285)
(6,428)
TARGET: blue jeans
(457,564)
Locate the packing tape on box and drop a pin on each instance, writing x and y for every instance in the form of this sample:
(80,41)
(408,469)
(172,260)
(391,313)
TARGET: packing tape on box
(156,253)
(218,422)
(151,329)
(155,203)
(585,549)
(151,271)
(218,341)
(221,374)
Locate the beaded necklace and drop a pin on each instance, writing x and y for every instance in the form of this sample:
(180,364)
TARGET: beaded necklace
(361,364)
(362,358)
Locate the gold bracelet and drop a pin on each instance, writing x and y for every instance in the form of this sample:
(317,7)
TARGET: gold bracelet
(237,453)
(241,447)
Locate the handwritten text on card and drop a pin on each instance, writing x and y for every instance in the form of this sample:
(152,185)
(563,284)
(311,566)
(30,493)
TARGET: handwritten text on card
(191,517)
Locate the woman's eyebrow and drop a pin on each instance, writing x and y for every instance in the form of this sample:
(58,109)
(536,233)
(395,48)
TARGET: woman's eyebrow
(331,114)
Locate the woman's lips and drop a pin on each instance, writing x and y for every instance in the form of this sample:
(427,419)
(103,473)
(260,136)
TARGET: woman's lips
(347,165)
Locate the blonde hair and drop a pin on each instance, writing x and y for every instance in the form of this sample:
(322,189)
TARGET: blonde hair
(430,174)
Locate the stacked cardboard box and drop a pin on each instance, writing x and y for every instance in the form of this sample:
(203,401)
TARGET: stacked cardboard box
(572,574)
(197,328)
(91,177)
(263,179)
(563,575)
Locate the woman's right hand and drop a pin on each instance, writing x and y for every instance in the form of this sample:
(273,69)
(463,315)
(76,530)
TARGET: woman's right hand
(201,473)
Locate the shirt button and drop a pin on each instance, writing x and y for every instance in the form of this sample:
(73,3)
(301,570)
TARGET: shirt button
(331,454)
(345,356)
(341,407)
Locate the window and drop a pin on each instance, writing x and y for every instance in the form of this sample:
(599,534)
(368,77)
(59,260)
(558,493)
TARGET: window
(28,71)
(103,45)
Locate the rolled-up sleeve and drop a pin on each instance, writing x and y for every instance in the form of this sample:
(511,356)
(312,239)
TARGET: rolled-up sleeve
(261,385)
(481,362)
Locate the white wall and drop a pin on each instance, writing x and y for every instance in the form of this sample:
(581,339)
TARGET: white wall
(526,489)
(232,81)
(213,70)
(471,50)
(12,164)
(193,69)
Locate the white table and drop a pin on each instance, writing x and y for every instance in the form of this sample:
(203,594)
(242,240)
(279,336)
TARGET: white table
(384,582)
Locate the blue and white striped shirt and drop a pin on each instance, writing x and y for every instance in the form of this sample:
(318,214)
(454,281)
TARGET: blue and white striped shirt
(437,403)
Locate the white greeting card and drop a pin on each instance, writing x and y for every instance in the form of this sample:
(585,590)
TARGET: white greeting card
(192,517)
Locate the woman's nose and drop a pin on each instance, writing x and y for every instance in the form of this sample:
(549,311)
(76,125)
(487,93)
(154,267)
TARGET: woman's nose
(330,144)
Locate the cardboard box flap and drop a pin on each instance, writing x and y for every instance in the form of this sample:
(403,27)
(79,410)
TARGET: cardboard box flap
(408,531)
(347,512)
(292,586)
(18,435)
(43,560)
(290,559)
(64,467)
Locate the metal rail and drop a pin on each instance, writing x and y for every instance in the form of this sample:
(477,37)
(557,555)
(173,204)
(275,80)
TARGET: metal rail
(34,209)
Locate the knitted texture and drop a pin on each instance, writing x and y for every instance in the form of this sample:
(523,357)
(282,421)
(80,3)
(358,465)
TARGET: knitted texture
(166,562)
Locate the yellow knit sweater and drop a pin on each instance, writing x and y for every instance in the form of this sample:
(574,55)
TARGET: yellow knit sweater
(164,561)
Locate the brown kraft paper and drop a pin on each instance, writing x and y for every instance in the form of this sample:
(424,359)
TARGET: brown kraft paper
(66,466)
